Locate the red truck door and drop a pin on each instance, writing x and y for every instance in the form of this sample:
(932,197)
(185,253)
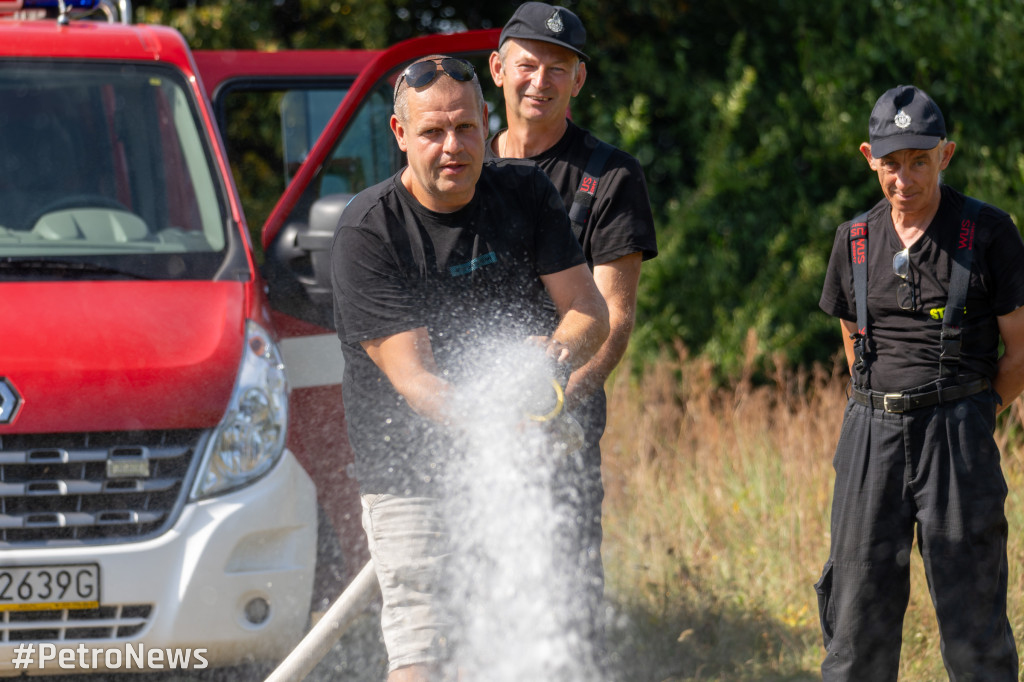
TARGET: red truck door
(320,159)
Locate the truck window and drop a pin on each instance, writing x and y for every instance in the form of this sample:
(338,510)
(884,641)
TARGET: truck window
(269,127)
(365,154)
(267,137)
(106,164)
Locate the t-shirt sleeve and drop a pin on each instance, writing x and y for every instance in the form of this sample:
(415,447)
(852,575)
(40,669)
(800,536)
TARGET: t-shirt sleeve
(372,297)
(1006,253)
(621,220)
(556,246)
(835,293)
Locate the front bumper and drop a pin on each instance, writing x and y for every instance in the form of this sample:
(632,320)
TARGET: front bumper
(187,589)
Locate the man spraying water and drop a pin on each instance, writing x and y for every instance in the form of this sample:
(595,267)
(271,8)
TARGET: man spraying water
(429,267)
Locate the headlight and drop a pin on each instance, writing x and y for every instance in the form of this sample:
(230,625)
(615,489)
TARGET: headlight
(250,438)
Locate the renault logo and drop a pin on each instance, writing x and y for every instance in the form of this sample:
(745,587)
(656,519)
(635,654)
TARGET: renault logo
(10,401)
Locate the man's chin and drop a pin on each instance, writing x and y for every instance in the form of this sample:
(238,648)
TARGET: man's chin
(457,192)
(536,111)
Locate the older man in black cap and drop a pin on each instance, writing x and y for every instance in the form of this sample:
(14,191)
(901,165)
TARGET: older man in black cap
(925,285)
(540,66)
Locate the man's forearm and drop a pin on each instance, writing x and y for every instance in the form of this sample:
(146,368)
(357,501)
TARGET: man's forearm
(593,375)
(617,281)
(1009,381)
(407,360)
(582,331)
(429,396)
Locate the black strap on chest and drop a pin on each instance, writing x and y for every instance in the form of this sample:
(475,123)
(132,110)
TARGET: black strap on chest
(960,277)
(859,258)
(579,211)
(959,280)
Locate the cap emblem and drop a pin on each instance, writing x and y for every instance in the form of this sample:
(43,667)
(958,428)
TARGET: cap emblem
(902,119)
(554,23)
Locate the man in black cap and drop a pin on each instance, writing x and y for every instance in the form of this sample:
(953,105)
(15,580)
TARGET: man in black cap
(540,66)
(925,285)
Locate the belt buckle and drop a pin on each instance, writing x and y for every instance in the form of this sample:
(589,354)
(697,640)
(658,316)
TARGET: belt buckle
(896,405)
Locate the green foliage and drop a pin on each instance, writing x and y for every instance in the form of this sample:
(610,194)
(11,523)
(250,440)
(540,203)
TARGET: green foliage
(746,117)
(748,120)
(282,24)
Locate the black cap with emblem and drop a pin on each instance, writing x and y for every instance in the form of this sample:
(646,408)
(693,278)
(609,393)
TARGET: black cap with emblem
(551,24)
(904,117)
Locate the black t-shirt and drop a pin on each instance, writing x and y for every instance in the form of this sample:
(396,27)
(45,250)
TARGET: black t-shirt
(470,277)
(620,221)
(907,342)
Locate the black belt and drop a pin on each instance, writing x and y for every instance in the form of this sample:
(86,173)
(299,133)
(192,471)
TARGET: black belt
(905,402)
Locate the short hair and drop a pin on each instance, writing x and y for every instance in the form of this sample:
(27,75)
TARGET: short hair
(401,104)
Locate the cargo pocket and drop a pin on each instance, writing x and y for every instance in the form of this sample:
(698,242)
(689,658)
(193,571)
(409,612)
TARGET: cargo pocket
(826,612)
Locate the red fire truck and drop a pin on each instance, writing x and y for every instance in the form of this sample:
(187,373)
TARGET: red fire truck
(174,470)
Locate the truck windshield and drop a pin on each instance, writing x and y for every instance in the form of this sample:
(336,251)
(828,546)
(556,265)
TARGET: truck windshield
(105,173)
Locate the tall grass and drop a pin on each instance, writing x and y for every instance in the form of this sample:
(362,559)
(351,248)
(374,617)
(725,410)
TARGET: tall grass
(717,525)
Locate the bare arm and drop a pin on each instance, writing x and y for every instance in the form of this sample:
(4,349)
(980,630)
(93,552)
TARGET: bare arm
(407,360)
(849,329)
(583,315)
(617,281)
(1009,381)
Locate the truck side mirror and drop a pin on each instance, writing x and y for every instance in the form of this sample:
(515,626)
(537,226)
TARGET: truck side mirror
(298,266)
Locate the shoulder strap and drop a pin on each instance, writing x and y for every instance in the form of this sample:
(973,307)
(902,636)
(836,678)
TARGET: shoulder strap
(859,260)
(959,280)
(580,209)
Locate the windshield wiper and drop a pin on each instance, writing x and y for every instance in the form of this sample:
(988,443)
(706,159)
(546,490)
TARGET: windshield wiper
(65,267)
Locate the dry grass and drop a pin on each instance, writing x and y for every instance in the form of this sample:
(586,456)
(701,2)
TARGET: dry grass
(717,525)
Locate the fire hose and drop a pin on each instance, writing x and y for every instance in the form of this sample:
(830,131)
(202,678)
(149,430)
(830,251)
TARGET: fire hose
(334,623)
(540,407)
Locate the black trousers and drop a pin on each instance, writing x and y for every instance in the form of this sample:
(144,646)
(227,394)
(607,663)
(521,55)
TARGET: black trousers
(936,470)
(579,492)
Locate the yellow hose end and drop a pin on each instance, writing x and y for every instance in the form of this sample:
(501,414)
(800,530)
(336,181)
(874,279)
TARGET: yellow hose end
(556,410)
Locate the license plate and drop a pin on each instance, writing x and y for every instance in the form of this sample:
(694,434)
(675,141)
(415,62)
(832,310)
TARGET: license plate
(44,588)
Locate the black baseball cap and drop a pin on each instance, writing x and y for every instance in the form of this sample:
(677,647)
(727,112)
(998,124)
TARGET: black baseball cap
(904,117)
(548,23)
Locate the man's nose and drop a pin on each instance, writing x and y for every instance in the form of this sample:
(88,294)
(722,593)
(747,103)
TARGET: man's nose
(452,143)
(540,78)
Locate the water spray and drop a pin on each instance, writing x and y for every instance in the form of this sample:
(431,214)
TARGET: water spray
(508,587)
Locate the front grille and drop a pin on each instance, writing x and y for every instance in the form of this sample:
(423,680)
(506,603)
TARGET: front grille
(65,489)
(120,621)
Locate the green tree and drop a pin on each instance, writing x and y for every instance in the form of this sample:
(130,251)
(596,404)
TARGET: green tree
(746,118)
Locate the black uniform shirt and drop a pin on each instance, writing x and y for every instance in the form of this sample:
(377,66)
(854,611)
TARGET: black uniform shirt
(620,221)
(907,342)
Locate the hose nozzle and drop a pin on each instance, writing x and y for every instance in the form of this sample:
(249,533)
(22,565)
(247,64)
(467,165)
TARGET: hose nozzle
(552,404)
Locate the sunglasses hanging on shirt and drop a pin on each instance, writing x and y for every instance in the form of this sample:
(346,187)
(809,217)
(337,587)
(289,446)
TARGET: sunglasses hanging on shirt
(905,298)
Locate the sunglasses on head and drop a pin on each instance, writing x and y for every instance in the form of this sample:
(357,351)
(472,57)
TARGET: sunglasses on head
(423,73)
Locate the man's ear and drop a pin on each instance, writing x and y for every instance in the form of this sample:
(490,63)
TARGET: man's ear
(865,149)
(581,78)
(399,130)
(494,62)
(947,154)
